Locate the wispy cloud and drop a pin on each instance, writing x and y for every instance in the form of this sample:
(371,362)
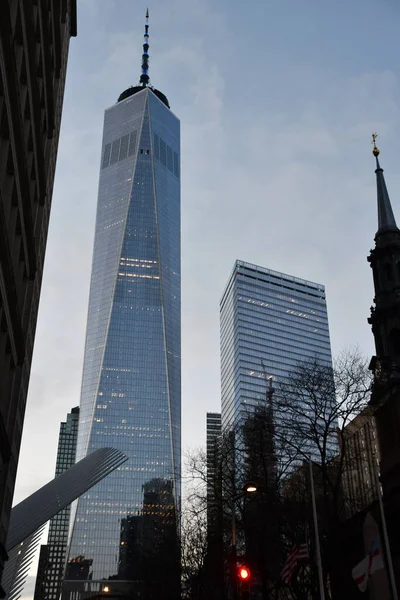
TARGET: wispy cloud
(275,170)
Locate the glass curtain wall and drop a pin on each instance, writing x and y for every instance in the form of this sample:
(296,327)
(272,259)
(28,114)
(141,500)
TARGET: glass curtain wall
(125,530)
(270,322)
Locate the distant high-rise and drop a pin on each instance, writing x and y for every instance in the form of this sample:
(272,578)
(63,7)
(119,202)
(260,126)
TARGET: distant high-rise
(34,43)
(269,323)
(131,385)
(213,436)
(53,555)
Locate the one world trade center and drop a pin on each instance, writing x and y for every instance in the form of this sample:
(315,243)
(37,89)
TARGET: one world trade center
(125,531)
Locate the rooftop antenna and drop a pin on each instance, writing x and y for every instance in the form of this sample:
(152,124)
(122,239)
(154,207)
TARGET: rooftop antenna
(144,78)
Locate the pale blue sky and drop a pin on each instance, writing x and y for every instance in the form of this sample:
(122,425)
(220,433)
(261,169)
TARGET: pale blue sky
(277,101)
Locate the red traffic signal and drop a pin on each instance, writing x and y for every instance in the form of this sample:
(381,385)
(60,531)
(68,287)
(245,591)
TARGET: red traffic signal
(244,573)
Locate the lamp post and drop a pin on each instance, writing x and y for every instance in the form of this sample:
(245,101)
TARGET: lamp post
(248,488)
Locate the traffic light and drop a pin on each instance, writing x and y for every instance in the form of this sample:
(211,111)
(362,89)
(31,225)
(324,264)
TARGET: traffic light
(244,576)
(244,573)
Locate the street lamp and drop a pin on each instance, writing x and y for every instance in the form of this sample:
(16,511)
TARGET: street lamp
(248,488)
(106,589)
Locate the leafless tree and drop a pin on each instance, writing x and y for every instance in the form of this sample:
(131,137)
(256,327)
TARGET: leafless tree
(307,416)
(193,548)
(313,408)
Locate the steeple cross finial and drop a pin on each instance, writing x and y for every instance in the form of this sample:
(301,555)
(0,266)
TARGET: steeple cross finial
(375,150)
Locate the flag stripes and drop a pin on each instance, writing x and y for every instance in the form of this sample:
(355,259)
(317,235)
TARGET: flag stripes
(297,554)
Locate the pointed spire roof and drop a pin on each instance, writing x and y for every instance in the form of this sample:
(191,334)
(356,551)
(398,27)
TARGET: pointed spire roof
(144,78)
(386,220)
(144,81)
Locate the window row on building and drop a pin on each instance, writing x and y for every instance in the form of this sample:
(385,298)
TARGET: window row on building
(119,149)
(125,146)
(166,155)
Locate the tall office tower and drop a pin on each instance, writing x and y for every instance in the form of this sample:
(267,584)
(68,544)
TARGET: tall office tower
(131,390)
(269,323)
(34,42)
(53,555)
(213,436)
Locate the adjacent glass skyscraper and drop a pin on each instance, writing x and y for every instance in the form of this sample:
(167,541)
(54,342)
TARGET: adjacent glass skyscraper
(269,323)
(125,530)
(53,554)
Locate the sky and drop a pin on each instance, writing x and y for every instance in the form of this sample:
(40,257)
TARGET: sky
(277,100)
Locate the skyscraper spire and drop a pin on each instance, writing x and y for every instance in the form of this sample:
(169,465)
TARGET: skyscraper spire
(386,220)
(144,81)
(144,78)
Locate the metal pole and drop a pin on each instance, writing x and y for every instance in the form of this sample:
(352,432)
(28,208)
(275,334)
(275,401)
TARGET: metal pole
(233,527)
(385,536)
(233,552)
(317,546)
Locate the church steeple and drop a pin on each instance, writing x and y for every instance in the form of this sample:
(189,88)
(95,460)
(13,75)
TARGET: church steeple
(385,321)
(385,263)
(386,220)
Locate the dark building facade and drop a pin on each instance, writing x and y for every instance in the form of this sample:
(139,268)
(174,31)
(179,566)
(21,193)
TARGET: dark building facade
(213,433)
(360,463)
(148,544)
(213,436)
(53,555)
(34,43)
(376,436)
(385,320)
(215,468)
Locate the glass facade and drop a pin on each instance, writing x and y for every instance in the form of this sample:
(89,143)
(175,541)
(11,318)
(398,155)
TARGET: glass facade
(269,323)
(213,436)
(49,579)
(130,396)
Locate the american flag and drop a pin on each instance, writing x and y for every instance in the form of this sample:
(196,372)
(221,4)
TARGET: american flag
(297,554)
